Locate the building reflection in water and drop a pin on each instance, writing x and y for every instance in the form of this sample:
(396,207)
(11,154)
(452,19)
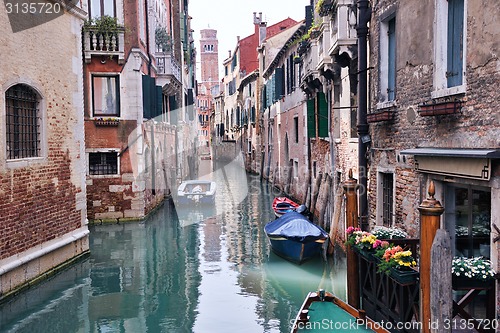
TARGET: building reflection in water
(213,275)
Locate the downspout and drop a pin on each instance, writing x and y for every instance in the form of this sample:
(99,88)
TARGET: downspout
(364,16)
(147,36)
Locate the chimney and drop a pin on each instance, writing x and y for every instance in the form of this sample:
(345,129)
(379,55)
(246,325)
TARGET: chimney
(262,32)
(229,53)
(256,20)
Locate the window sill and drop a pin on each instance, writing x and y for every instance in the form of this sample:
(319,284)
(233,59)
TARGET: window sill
(385,105)
(23,162)
(448,91)
(104,176)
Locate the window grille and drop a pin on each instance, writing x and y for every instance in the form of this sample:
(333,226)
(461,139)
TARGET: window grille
(22,122)
(103,163)
(388,198)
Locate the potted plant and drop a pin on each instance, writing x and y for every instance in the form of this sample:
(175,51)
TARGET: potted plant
(324,7)
(162,39)
(297,59)
(389,233)
(365,243)
(471,272)
(398,264)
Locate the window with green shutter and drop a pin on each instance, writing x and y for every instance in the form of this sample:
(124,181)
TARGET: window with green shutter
(322,115)
(279,83)
(311,119)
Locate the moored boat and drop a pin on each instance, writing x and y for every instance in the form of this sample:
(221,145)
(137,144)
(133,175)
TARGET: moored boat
(295,238)
(322,311)
(197,192)
(282,205)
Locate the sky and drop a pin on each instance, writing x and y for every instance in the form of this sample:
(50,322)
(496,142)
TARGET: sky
(233,18)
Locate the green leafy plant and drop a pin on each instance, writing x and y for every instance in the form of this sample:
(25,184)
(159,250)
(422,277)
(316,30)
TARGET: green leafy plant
(162,39)
(318,5)
(104,24)
(472,268)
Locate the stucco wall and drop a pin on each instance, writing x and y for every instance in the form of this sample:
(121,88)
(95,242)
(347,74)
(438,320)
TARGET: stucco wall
(42,200)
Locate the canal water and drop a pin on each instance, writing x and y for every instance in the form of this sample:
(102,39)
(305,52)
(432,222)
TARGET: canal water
(183,269)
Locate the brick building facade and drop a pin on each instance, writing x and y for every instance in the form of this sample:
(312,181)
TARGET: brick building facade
(139,107)
(434,117)
(43,222)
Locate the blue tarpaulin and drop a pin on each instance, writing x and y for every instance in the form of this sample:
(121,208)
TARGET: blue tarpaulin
(295,226)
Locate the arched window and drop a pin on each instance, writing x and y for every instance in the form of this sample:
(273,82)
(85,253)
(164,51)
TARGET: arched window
(22,122)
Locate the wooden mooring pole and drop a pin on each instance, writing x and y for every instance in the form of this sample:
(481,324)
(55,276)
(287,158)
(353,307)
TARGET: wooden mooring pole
(350,190)
(430,213)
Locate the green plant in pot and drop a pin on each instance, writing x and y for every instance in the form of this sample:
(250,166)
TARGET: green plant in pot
(162,39)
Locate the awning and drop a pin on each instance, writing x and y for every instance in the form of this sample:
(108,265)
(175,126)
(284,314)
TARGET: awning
(450,152)
(466,163)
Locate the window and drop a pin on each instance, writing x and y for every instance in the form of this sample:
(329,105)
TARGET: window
(354,122)
(296,129)
(455,42)
(450,37)
(388,59)
(105,95)
(317,112)
(468,218)
(22,122)
(100,8)
(385,197)
(103,163)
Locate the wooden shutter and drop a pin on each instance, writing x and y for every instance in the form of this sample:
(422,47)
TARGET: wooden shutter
(146,96)
(311,119)
(159,101)
(455,40)
(322,115)
(279,83)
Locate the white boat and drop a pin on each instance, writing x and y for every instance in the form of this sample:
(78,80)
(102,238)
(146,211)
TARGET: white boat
(196,191)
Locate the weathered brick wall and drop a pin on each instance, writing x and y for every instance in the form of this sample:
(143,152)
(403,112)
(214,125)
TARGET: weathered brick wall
(476,126)
(42,199)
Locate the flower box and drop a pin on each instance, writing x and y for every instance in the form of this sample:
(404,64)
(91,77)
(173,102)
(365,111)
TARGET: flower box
(440,108)
(408,276)
(385,115)
(367,255)
(107,122)
(465,283)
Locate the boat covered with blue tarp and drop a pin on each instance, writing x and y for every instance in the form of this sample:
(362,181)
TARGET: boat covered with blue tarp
(294,237)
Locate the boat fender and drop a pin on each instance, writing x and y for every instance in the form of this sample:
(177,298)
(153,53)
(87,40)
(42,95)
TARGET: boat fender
(302,209)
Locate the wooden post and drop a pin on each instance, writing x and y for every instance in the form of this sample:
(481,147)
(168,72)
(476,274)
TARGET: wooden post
(441,292)
(430,212)
(350,190)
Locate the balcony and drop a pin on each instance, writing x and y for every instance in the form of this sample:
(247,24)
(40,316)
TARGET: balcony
(101,44)
(343,34)
(169,73)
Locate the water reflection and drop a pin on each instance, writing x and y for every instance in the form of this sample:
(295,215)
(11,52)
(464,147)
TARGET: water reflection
(214,275)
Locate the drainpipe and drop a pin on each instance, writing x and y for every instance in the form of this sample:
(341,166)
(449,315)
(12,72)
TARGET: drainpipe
(364,16)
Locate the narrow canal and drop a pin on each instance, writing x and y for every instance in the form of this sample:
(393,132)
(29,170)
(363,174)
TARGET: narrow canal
(180,270)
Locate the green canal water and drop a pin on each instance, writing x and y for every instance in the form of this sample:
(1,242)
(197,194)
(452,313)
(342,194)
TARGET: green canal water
(180,270)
